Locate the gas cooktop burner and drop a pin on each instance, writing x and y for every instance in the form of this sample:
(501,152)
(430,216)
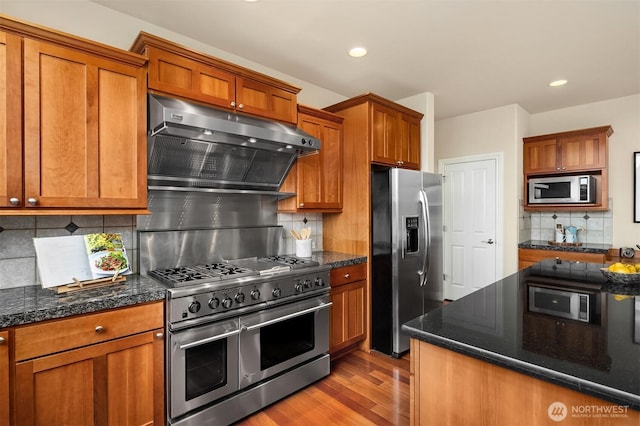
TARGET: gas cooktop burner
(185,275)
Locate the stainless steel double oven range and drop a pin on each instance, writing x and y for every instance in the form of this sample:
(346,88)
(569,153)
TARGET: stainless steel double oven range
(245,326)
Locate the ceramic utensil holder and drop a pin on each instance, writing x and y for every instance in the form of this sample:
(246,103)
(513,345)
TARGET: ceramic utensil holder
(303,248)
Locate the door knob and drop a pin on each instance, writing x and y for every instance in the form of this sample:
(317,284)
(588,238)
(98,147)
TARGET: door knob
(490,241)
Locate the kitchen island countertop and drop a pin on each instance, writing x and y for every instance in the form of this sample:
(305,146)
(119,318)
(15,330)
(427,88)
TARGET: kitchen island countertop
(30,304)
(493,324)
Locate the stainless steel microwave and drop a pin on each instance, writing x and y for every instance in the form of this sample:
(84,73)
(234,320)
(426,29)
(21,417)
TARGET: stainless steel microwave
(572,304)
(562,190)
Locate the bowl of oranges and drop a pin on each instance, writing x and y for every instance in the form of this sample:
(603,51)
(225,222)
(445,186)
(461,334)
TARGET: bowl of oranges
(625,273)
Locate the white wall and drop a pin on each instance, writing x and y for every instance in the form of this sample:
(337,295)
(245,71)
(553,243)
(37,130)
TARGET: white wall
(98,23)
(495,130)
(623,114)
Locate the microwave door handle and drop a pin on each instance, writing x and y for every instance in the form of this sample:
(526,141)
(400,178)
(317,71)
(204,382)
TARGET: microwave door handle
(286,317)
(540,186)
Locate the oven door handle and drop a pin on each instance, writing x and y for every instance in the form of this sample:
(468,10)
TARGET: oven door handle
(286,317)
(209,339)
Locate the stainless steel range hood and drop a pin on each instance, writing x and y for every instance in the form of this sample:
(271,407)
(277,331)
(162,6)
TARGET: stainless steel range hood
(192,147)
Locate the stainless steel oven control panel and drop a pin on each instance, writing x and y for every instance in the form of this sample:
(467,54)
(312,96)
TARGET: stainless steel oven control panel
(210,300)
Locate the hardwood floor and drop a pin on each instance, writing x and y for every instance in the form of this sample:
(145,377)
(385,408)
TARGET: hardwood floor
(362,389)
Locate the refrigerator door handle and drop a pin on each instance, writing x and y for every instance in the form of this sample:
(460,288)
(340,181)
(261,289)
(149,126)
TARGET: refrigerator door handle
(426,257)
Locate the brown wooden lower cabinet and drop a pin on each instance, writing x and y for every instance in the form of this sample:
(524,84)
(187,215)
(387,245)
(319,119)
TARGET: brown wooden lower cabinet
(529,257)
(348,312)
(448,388)
(118,381)
(4,378)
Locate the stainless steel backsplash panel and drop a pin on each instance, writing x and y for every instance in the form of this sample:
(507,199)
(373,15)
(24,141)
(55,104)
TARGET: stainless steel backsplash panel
(167,249)
(182,210)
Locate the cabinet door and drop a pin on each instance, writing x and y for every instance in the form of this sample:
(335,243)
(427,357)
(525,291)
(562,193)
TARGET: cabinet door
(541,156)
(4,378)
(257,98)
(177,75)
(319,179)
(408,151)
(347,315)
(85,130)
(10,120)
(385,135)
(583,152)
(111,383)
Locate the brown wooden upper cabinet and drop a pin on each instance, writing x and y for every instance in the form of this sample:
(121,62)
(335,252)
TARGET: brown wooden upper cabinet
(394,131)
(73,125)
(317,179)
(179,71)
(582,151)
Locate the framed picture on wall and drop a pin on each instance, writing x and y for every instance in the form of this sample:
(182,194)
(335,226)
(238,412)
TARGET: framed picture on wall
(636,187)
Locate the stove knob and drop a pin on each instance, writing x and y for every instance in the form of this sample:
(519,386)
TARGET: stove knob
(299,288)
(227,302)
(194,306)
(276,292)
(319,282)
(239,297)
(255,294)
(214,302)
(307,283)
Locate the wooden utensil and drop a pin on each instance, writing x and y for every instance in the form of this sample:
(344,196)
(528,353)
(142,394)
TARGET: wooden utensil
(305,232)
(295,234)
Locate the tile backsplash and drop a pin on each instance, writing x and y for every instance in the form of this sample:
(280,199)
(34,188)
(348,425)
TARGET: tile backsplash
(593,227)
(18,265)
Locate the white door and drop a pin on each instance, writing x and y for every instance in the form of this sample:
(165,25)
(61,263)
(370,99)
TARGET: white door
(470,217)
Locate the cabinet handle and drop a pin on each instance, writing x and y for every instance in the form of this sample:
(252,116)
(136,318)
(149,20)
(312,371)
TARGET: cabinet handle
(14,201)
(32,201)
(159,335)
(240,106)
(2,340)
(99,329)
(301,204)
(233,103)
(347,276)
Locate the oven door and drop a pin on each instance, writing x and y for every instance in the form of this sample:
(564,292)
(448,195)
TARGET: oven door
(282,337)
(203,365)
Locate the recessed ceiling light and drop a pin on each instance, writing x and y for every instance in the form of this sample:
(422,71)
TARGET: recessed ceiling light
(557,83)
(358,52)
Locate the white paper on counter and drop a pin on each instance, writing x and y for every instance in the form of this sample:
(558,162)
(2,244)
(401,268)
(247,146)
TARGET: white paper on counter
(61,259)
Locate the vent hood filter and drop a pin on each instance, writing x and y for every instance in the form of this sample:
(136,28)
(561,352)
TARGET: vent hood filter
(198,147)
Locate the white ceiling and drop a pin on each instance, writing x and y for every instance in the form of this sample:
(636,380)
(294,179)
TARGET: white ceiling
(471,54)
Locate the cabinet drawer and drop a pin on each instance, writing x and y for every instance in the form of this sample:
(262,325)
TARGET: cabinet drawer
(348,274)
(41,339)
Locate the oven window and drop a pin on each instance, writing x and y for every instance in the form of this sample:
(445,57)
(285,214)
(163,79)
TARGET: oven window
(284,340)
(206,368)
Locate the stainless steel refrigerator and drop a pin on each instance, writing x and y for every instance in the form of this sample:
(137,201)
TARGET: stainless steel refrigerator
(406,278)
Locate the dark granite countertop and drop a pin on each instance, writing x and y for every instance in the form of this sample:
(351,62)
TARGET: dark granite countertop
(493,324)
(25,305)
(584,248)
(337,260)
